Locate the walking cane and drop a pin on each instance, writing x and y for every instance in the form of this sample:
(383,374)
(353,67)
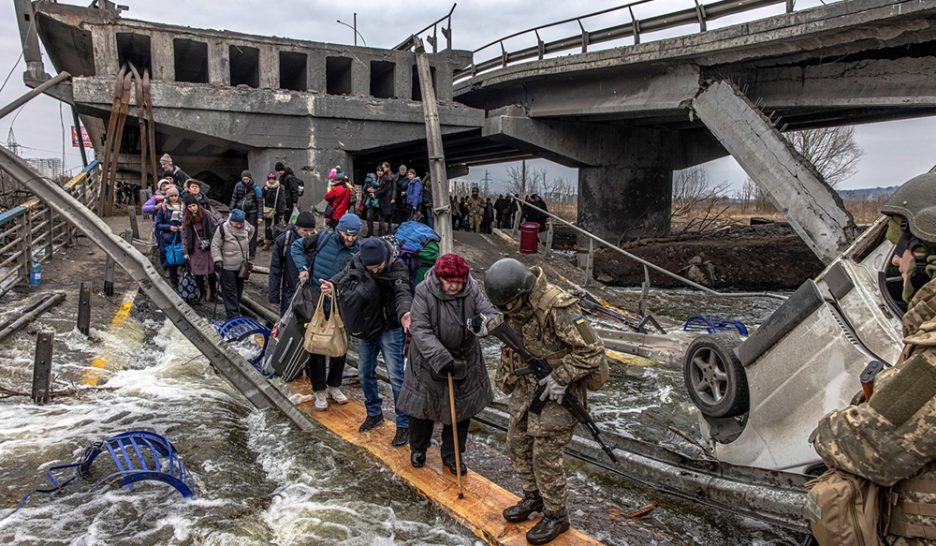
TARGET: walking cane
(451,386)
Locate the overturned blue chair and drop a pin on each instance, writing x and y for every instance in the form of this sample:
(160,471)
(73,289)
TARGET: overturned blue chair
(712,325)
(239,328)
(137,455)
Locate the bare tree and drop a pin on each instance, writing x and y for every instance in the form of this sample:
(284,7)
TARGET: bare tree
(832,150)
(698,205)
(518,181)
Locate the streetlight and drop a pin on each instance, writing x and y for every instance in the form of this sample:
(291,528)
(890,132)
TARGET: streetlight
(354,28)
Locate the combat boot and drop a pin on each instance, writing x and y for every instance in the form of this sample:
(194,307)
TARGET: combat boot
(520,512)
(553,524)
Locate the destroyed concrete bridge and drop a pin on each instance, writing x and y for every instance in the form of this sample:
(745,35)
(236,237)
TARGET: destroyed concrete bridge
(626,117)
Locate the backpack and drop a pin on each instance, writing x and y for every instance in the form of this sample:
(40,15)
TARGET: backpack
(413,236)
(419,249)
(357,293)
(844,509)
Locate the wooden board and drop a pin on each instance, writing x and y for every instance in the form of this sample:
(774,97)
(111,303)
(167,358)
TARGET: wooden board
(480,510)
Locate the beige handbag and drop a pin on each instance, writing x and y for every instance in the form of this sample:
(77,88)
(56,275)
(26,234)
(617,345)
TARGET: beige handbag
(326,336)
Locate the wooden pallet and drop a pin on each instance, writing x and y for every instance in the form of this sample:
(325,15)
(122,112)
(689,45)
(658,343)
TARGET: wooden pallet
(480,510)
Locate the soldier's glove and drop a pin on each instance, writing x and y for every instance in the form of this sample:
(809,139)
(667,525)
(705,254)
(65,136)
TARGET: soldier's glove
(553,391)
(478,325)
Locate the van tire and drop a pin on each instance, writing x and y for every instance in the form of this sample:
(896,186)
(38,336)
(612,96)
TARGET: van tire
(715,378)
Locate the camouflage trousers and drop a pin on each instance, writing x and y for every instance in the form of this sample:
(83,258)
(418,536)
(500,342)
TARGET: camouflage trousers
(475,222)
(539,461)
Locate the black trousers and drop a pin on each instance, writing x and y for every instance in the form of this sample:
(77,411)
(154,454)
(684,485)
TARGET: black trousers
(375,214)
(315,368)
(212,284)
(420,431)
(252,247)
(232,287)
(269,223)
(173,271)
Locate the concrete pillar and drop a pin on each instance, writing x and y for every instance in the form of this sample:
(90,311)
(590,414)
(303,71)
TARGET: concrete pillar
(360,77)
(445,91)
(219,63)
(162,52)
(105,50)
(269,67)
(316,68)
(794,186)
(402,78)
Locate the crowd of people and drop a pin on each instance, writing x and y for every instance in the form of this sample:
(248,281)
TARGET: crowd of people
(421,312)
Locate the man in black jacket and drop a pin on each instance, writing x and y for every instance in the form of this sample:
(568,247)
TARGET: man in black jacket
(248,198)
(284,274)
(379,260)
(291,183)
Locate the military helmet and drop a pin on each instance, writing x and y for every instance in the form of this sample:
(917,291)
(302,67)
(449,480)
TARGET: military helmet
(506,280)
(915,200)
(475,190)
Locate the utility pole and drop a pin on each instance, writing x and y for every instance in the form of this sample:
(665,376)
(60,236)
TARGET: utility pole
(440,196)
(487,182)
(523,184)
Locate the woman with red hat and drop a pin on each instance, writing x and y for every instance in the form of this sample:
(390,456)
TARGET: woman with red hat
(442,344)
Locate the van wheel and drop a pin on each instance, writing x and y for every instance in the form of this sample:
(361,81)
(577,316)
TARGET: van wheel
(715,378)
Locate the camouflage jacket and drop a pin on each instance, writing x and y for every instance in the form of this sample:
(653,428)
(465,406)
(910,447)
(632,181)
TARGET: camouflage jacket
(889,439)
(552,328)
(475,206)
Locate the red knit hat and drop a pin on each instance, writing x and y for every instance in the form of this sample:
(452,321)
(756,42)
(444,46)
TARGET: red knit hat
(452,268)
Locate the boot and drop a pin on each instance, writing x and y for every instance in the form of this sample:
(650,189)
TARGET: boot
(401,438)
(553,524)
(417,458)
(520,512)
(321,403)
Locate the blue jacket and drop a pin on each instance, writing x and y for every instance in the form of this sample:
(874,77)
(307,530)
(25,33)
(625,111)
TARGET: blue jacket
(165,236)
(284,274)
(327,253)
(414,193)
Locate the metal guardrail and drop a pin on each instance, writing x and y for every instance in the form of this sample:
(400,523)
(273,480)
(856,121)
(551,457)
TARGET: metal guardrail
(592,239)
(34,231)
(698,12)
(433,38)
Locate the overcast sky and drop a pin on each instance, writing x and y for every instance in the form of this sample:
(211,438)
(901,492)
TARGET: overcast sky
(893,151)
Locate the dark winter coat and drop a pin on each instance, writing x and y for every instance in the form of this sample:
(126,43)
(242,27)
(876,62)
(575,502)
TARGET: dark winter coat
(247,198)
(385,194)
(192,232)
(393,282)
(284,274)
(439,332)
(275,198)
(290,183)
(202,200)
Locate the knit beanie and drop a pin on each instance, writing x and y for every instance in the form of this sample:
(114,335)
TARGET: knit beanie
(237,215)
(166,158)
(171,189)
(245,174)
(279,166)
(452,267)
(349,223)
(373,251)
(188,199)
(271,175)
(305,220)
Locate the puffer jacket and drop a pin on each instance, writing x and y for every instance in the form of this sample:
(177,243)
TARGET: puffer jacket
(248,198)
(439,335)
(231,246)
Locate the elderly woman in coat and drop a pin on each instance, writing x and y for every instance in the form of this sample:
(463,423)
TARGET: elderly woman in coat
(442,344)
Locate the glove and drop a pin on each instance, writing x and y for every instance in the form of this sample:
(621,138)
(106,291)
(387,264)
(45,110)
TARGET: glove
(553,391)
(478,325)
(447,368)
(218,267)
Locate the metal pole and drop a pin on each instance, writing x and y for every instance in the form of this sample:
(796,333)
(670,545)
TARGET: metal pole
(42,368)
(78,131)
(109,276)
(644,292)
(589,262)
(33,93)
(355,28)
(84,308)
(134,225)
(440,195)
(50,227)
(26,243)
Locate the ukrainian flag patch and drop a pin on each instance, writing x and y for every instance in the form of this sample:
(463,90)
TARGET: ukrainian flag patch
(584,329)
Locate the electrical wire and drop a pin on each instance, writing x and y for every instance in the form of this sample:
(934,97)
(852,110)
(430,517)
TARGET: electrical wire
(32,22)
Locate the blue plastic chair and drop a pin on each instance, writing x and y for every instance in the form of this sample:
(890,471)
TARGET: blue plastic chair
(712,325)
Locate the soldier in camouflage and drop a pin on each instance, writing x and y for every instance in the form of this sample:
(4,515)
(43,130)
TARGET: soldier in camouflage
(547,319)
(889,439)
(475,210)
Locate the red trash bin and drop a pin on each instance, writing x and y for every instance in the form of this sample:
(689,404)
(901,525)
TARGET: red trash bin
(528,237)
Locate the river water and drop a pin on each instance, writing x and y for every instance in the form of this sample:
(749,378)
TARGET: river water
(260,480)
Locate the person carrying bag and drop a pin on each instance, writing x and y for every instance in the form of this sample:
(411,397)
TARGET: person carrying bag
(325,334)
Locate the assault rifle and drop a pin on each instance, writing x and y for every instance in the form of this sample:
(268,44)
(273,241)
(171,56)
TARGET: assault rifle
(540,369)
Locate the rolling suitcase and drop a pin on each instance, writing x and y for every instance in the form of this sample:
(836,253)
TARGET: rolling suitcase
(285,355)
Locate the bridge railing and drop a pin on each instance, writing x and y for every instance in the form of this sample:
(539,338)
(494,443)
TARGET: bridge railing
(432,38)
(33,231)
(700,13)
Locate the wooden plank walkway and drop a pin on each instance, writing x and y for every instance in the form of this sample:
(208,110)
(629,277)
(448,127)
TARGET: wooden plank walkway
(480,510)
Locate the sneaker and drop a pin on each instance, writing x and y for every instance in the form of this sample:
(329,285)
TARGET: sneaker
(335,394)
(401,438)
(371,422)
(321,403)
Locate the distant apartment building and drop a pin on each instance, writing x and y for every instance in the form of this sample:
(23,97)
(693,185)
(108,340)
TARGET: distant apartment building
(47,167)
